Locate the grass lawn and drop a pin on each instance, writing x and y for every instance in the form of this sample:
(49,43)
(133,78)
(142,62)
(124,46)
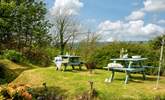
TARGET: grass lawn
(73,83)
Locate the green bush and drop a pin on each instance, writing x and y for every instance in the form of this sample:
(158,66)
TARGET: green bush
(38,56)
(42,57)
(13,55)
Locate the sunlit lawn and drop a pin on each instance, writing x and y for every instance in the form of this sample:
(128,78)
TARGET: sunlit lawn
(76,82)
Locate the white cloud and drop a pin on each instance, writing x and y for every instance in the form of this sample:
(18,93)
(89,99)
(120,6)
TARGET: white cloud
(152,29)
(133,27)
(108,25)
(162,21)
(70,7)
(154,5)
(135,15)
(130,31)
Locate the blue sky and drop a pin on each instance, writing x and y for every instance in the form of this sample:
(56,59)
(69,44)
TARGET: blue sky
(118,19)
(109,9)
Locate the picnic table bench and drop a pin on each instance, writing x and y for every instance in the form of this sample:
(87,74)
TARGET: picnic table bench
(128,69)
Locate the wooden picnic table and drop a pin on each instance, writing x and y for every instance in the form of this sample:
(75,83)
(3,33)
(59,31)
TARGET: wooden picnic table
(71,60)
(128,68)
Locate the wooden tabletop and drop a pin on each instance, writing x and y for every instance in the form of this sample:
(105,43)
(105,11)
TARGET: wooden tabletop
(128,59)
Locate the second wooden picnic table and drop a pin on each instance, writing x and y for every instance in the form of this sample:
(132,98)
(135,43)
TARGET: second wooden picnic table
(128,68)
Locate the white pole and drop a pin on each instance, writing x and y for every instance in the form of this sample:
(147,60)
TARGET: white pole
(160,63)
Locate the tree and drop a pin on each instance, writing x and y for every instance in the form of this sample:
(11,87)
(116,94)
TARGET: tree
(31,23)
(156,42)
(65,29)
(88,45)
(23,27)
(6,23)
(25,22)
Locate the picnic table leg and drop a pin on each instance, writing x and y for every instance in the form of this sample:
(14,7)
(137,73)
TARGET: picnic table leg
(144,75)
(57,68)
(112,76)
(73,67)
(65,65)
(127,77)
(80,67)
(143,72)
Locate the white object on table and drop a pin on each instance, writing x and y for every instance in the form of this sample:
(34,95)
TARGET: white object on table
(125,56)
(137,56)
(114,65)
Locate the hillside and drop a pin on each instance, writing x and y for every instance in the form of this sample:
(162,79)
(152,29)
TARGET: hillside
(10,70)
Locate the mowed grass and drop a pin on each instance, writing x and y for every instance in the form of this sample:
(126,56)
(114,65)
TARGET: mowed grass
(75,82)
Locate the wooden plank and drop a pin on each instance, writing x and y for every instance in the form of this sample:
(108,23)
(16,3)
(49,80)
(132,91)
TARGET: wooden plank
(127,69)
(128,59)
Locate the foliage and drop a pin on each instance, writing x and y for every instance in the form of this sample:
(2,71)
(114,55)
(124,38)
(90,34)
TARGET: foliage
(41,56)
(51,52)
(38,58)
(23,25)
(23,28)
(87,47)
(6,24)
(157,42)
(31,28)
(13,55)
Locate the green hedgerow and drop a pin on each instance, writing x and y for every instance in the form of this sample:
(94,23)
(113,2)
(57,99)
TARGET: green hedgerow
(13,55)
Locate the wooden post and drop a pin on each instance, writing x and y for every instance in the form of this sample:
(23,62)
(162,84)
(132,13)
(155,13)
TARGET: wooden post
(160,64)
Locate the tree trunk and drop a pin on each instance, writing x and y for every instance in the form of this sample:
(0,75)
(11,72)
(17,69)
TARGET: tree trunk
(62,49)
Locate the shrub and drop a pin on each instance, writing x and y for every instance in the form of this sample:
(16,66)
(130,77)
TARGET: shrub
(90,66)
(42,57)
(13,55)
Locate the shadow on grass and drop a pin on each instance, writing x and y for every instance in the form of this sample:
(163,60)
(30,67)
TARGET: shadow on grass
(137,79)
(130,80)
(147,78)
(7,75)
(75,70)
